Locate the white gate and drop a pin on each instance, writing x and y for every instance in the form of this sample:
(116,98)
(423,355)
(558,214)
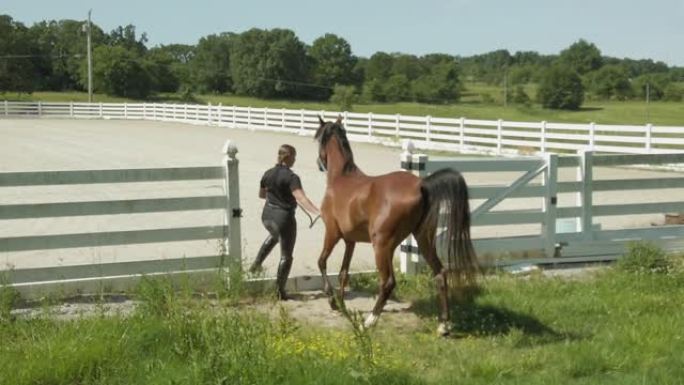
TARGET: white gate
(568,230)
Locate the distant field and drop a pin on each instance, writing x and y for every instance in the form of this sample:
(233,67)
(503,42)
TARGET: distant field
(472,105)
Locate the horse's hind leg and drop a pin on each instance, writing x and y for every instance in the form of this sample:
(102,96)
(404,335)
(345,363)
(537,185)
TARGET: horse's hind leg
(331,239)
(383,260)
(427,249)
(344,270)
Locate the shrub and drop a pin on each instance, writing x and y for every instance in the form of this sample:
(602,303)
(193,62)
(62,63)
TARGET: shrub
(644,257)
(344,97)
(561,88)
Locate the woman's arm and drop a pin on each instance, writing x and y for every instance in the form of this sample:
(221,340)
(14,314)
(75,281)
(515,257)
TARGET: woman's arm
(303,200)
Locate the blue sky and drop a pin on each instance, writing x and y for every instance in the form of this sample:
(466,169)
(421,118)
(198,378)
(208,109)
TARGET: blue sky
(651,29)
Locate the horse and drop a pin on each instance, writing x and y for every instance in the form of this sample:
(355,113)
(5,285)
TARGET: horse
(383,210)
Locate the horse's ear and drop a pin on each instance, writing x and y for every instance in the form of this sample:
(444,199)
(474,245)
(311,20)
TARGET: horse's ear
(339,119)
(321,121)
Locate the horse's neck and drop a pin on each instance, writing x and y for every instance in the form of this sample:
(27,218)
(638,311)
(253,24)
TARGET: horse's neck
(336,162)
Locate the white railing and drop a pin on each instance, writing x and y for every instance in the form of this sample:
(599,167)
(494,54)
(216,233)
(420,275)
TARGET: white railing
(560,230)
(427,132)
(228,233)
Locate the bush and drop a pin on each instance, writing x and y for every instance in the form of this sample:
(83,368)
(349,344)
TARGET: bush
(344,97)
(520,96)
(644,257)
(561,88)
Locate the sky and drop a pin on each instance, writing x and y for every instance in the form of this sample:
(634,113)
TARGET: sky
(637,29)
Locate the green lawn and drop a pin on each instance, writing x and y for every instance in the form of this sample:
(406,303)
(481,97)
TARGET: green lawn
(471,106)
(618,327)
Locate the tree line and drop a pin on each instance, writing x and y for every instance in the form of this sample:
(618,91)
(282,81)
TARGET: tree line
(51,56)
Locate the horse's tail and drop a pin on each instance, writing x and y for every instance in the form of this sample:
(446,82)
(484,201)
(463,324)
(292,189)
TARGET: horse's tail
(446,188)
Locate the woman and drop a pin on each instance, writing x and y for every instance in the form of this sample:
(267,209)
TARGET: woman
(282,190)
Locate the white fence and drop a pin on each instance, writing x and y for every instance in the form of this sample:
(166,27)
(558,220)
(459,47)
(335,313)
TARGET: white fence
(460,134)
(229,232)
(568,230)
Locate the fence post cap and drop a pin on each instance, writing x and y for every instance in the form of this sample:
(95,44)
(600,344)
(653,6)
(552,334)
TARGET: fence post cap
(408,146)
(230,148)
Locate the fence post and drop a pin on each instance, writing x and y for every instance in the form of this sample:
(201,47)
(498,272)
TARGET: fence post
(40,108)
(71,109)
(302,130)
(233,213)
(233,115)
(209,114)
(585,196)
(101,112)
(397,119)
(6,108)
(370,125)
(249,118)
(592,130)
(462,134)
(125,110)
(409,256)
(649,132)
(550,204)
(265,117)
(282,117)
(220,114)
(542,137)
(428,127)
(499,125)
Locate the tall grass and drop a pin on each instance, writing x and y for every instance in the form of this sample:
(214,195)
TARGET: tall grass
(618,326)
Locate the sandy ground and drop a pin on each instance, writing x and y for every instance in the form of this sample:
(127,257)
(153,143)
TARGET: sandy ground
(54,144)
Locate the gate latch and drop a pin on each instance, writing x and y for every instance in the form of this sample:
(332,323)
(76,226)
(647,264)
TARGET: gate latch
(237,213)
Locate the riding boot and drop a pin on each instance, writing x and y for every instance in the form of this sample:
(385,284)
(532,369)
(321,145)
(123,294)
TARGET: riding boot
(265,249)
(281,280)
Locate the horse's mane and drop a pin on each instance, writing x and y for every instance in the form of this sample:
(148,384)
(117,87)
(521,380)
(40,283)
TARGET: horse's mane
(329,130)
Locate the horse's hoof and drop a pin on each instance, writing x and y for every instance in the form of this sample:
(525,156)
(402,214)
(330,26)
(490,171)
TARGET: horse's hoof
(443,329)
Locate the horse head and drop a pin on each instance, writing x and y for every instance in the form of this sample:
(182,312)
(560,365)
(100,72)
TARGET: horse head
(325,132)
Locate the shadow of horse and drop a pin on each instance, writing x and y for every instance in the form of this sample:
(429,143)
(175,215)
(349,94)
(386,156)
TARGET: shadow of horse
(471,318)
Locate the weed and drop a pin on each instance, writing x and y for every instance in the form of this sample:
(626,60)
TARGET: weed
(644,257)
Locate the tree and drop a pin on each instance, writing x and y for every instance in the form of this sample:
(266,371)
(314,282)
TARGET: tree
(440,85)
(210,64)
(269,63)
(17,65)
(333,63)
(379,66)
(561,88)
(651,86)
(126,37)
(582,57)
(159,65)
(118,71)
(397,88)
(610,81)
(344,97)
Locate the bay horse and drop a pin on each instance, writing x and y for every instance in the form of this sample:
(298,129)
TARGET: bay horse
(384,210)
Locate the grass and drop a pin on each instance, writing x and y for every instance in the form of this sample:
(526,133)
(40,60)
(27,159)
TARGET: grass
(472,105)
(622,326)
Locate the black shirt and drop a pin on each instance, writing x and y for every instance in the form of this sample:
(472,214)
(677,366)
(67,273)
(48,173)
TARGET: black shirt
(279,183)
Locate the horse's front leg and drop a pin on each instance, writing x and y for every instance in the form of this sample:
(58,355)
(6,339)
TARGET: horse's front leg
(344,271)
(329,242)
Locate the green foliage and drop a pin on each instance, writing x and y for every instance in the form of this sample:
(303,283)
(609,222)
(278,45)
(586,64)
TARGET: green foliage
(644,257)
(344,97)
(673,92)
(610,82)
(651,86)
(210,64)
(118,71)
(582,57)
(561,88)
(333,63)
(9,297)
(269,64)
(520,96)
(16,70)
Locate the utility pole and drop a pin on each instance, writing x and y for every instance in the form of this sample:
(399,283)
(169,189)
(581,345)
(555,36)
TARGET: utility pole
(90,62)
(648,97)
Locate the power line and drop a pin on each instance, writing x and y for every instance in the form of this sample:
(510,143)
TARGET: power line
(38,56)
